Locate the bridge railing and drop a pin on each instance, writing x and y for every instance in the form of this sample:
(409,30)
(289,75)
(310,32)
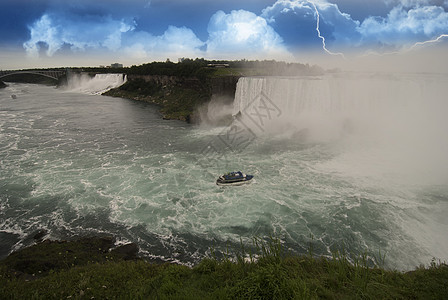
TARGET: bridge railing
(55,74)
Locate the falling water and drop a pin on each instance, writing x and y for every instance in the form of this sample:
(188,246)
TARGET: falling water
(354,162)
(96,85)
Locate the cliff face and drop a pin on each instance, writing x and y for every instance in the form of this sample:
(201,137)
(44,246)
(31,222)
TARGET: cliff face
(224,85)
(164,80)
(178,97)
(220,86)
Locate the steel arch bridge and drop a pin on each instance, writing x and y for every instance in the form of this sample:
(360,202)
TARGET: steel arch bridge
(54,74)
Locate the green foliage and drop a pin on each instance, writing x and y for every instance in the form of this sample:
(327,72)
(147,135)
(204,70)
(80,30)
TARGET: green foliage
(176,100)
(187,68)
(140,86)
(180,102)
(42,258)
(179,98)
(431,282)
(200,68)
(259,271)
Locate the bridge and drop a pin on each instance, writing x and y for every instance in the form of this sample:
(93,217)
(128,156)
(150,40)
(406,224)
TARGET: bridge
(54,74)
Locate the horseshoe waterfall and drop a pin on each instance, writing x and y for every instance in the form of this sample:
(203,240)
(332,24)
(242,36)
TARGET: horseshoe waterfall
(351,161)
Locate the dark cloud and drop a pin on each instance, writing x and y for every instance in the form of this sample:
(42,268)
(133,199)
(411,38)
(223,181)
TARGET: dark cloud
(361,9)
(15,16)
(158,28)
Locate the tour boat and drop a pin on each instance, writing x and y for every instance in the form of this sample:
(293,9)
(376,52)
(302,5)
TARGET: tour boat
(234,178)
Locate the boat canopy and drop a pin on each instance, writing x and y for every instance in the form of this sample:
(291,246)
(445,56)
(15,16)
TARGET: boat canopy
(234,175)
(234,178)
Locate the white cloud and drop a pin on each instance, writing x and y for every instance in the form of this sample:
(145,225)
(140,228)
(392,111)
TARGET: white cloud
(282,7)
(414,3)
(58,32)
(245,34)
(405,27)
(408,22)
(173,42)
(282,27)
(43,31)
(177,39)
(78,33)
(239,34)
(338,28)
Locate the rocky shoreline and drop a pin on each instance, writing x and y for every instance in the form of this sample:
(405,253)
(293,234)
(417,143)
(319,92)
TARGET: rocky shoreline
(93,268)
(48,256)
(179,98)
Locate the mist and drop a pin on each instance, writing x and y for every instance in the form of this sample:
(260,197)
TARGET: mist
(96,85)
(385,124)
(217,112)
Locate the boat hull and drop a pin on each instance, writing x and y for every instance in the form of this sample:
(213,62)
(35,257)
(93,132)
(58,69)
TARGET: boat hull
(245,180)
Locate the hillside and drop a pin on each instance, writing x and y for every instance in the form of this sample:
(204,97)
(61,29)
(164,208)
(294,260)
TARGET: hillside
(91,269)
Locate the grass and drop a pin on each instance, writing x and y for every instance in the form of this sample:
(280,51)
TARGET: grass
(261,271)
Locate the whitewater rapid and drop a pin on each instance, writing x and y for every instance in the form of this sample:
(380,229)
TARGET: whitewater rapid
(78,164)
(96,85)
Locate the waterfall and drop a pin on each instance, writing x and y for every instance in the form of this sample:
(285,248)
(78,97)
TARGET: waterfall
(394,120)
(96,85)
(339,102)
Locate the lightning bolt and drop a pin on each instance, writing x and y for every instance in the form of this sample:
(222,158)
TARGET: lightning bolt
(436,40)
(324,46)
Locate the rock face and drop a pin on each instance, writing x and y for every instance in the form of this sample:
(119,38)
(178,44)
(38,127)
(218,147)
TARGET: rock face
(39,235)
(126,252)
(47,255)
(158,79)
(178,97)
(223,85)
(219,86)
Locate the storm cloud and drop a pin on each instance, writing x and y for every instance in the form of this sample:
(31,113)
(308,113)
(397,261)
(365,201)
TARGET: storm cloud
(279,31)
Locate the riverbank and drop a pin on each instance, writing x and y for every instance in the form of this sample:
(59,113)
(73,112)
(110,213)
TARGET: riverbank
(93,268)
(2,85)
(178,98)
(180,89)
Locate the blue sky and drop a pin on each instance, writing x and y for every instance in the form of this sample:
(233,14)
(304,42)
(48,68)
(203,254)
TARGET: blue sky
(73,33)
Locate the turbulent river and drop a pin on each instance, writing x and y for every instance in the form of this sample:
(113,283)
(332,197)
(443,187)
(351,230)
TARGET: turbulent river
(353,162)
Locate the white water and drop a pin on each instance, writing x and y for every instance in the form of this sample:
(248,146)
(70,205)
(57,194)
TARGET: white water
(96,85)
(388,134)
(398,121)
(76,164)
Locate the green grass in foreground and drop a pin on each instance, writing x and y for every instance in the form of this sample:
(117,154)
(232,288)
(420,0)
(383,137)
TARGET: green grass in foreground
(272,275)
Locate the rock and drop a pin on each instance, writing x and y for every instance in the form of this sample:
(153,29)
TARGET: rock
(39,235)
(41,258)
(126,252)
